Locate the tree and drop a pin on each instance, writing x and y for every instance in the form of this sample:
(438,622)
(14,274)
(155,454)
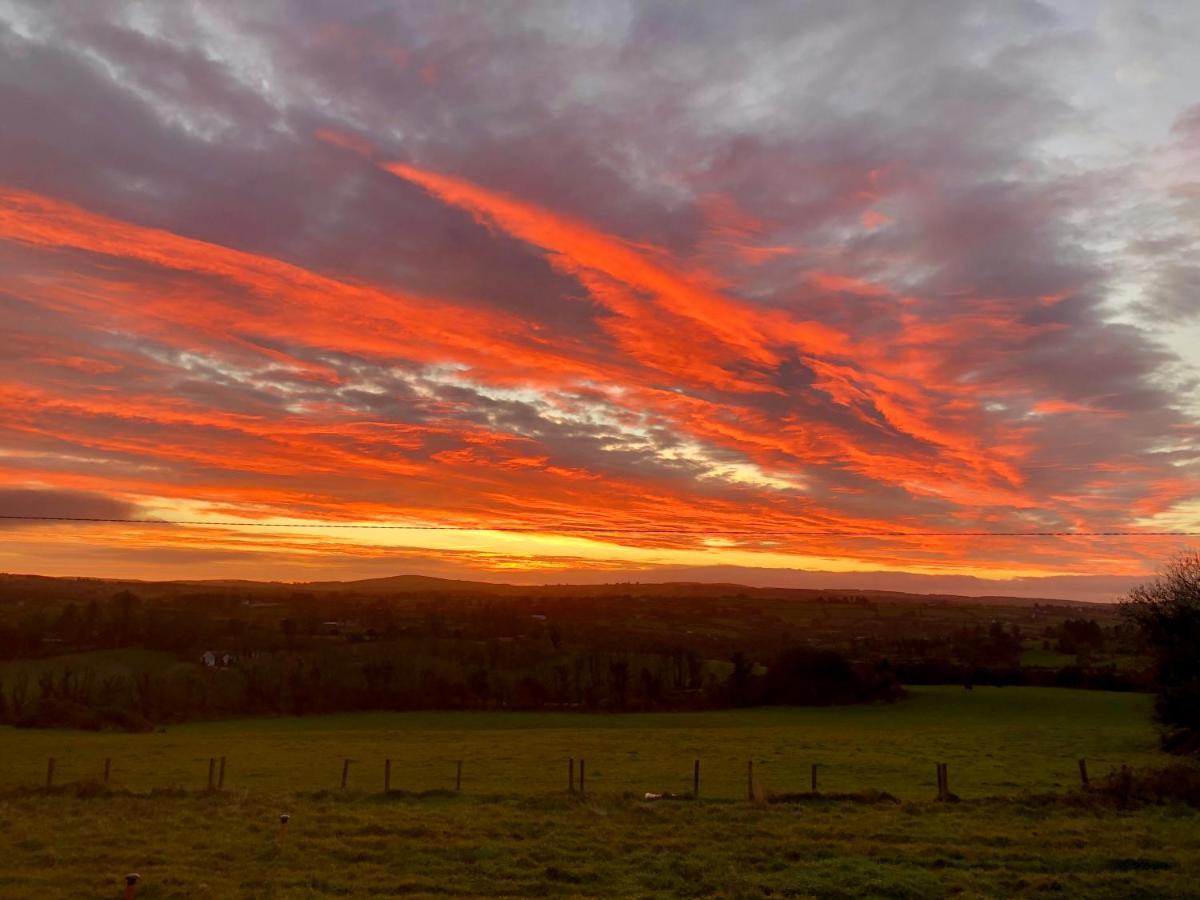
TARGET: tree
(739,679)
(804,676)
(618,674)
(1167,610)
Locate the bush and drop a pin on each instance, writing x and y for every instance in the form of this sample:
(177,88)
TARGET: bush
(1129,787)
(56,713)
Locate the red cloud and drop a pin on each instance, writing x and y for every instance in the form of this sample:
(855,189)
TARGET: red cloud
(275,427)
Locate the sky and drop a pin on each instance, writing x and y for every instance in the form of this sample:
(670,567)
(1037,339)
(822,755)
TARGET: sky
(804,293)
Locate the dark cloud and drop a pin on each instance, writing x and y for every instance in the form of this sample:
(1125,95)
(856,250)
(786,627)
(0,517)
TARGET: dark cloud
(38,503)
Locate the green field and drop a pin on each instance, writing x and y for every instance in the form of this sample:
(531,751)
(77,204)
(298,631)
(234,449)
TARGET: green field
(514,832)
(997,742)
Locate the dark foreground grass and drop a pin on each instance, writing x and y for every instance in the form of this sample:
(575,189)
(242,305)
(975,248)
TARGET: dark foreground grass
(198,846)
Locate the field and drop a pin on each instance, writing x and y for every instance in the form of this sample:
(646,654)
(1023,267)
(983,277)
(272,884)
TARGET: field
(514,831)
(997,741)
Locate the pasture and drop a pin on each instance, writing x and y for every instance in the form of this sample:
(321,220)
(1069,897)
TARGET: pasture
(514,830)
(996,741)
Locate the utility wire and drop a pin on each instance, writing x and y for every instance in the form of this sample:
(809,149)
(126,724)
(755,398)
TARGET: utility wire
(601,529)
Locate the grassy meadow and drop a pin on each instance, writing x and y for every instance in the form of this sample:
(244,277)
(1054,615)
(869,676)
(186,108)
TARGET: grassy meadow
(997,742)
(513,831)
(229,846)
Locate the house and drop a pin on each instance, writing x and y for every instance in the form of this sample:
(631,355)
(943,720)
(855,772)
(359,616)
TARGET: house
(213,659)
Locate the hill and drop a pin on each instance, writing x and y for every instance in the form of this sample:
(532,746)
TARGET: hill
(406,584)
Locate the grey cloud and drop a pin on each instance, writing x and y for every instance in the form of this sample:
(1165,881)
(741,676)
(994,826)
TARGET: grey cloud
(18,503)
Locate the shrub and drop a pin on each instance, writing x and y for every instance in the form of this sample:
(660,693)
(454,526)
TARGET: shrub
(1176,783)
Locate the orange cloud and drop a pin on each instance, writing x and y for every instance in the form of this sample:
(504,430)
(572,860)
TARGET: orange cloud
(681,375)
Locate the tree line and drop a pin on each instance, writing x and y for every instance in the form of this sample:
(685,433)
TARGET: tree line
(447,674)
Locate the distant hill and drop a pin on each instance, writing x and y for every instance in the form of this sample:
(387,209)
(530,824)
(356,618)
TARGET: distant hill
(402,585)
(411,584)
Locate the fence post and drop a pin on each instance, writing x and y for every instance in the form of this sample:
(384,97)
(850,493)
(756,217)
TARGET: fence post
(387,776)
(750,780)
(131,881)
(582,789)
(50,773)
(458,778)
(696,778)
(571,776)
(813,779)
(212,773)
(943,770)
(221,776)
(107,768)
(1083,775)
(345,773)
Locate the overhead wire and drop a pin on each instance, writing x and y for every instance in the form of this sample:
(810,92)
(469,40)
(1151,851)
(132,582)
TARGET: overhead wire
(601,529)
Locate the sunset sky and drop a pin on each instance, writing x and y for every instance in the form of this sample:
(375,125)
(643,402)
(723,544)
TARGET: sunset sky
(602,291)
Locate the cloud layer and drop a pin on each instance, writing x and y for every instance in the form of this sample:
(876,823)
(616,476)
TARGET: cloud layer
(611,287)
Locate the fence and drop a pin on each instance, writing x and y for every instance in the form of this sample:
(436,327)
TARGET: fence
(390,776)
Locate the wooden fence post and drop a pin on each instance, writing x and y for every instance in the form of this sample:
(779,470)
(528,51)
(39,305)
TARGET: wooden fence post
(212,773)
(458,778)
(582,788)
(221,776)
(813,779)
(750,780)
(696,778)
(345,773)
(1083,775)
(107,768)
(943,785)
(50,773)
(387,776)
(571,776)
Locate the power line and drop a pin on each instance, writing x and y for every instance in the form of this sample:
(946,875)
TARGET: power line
(603,530)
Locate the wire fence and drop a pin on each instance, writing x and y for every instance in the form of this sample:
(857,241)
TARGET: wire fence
(724,777)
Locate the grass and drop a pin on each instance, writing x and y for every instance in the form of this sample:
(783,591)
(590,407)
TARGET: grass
(997,741)
(1051,659)
(514,831)
(229,846)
